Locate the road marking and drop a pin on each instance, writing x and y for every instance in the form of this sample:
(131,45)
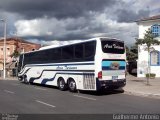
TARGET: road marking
(45,103)
(9,91)
(84,97)
(39,88)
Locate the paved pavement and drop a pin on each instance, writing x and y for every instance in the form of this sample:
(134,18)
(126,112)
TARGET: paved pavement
(135,86)
(138,86)
(9,78)
(18,98)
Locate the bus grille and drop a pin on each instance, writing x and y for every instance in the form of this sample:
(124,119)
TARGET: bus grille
(89,82)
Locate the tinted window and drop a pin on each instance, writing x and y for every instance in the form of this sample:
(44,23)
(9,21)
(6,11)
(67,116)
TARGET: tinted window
(79,51)
(67,52)
(112,46)
(56,54)
(73,53)
(47,56)
(89,49)
(38,57)
(26,59)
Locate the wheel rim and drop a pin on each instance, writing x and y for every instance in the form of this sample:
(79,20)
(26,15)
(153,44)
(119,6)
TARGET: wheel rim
(25,79)
(72,85)
(61,84)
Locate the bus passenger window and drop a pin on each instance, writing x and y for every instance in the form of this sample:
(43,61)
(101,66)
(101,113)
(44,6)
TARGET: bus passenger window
(79,51)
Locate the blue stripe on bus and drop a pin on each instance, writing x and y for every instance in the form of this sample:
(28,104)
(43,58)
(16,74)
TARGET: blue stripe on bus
(108,63)
(109,68)
(44,81)
(58,64)
(51,79)
(47,80)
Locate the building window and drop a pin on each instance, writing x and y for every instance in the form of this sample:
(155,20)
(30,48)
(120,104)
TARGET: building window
(155,30)
(154,58)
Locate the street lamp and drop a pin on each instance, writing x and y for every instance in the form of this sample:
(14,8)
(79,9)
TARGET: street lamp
(4,49)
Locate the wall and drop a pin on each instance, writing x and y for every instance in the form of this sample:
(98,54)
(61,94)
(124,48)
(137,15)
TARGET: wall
(142,63)
(145,25)
(13,44)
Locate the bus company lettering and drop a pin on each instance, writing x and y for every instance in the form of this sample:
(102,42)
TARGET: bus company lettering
(113,46)
(59,68)
(70,68)
(66,68)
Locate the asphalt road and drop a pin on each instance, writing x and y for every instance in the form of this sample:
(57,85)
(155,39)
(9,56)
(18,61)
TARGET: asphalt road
(19,98)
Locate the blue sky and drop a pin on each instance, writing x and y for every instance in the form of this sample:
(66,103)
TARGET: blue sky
(44,21)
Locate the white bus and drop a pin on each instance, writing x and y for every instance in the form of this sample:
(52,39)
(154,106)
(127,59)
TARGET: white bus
(89,65)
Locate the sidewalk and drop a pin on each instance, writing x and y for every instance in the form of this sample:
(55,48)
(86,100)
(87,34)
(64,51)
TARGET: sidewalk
(138,86)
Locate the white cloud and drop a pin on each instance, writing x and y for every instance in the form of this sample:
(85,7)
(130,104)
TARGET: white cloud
(32,27)
(92,23)
(44,26)
(124,31)
(98,25)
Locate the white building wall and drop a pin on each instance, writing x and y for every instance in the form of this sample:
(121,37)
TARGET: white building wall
(142,62)
(144,26)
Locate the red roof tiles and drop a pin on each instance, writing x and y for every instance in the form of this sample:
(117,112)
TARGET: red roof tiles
(149,18)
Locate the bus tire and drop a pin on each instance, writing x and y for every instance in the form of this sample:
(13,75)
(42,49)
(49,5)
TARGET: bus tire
(72,85)
(61,84)
(25,79)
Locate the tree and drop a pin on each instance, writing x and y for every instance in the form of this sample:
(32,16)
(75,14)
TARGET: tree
(148,41)
(15,54)
(132,53)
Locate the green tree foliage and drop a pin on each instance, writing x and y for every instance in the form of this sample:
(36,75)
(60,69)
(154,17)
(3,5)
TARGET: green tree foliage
(148,40)
(132,53)
(15,54)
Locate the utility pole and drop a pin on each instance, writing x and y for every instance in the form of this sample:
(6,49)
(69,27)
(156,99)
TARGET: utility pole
(4,48)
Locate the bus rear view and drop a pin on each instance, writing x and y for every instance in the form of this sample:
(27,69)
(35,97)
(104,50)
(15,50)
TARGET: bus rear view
(112,65)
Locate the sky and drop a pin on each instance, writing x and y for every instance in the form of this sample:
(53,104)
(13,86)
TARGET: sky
(57,21)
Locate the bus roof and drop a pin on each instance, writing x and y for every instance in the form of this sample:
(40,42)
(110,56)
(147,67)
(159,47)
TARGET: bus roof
(83,41)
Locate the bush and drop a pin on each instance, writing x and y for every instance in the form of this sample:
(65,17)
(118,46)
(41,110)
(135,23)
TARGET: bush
(152,75)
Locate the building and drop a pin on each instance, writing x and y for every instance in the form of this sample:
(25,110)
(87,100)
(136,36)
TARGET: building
(12,45)
(152,23)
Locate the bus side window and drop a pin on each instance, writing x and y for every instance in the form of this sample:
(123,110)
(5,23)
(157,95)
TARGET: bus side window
(56,54)
(89,49)
(79,51)
(67,52)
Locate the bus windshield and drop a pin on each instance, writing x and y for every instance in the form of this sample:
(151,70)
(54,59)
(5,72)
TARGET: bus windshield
(112,46)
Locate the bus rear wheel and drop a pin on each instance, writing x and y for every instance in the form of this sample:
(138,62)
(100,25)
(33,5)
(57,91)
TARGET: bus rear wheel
(61,84)
(72,85)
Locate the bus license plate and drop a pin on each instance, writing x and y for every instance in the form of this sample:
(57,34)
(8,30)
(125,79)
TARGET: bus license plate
(114,78)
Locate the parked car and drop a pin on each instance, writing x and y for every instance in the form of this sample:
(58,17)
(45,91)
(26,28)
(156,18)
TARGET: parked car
(132,67)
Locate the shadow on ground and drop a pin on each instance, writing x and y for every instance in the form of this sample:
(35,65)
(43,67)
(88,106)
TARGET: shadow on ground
(96,93)
(103,92)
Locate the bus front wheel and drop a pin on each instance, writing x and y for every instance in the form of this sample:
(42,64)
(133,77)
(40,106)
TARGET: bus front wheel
(25,79)
(61,84)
